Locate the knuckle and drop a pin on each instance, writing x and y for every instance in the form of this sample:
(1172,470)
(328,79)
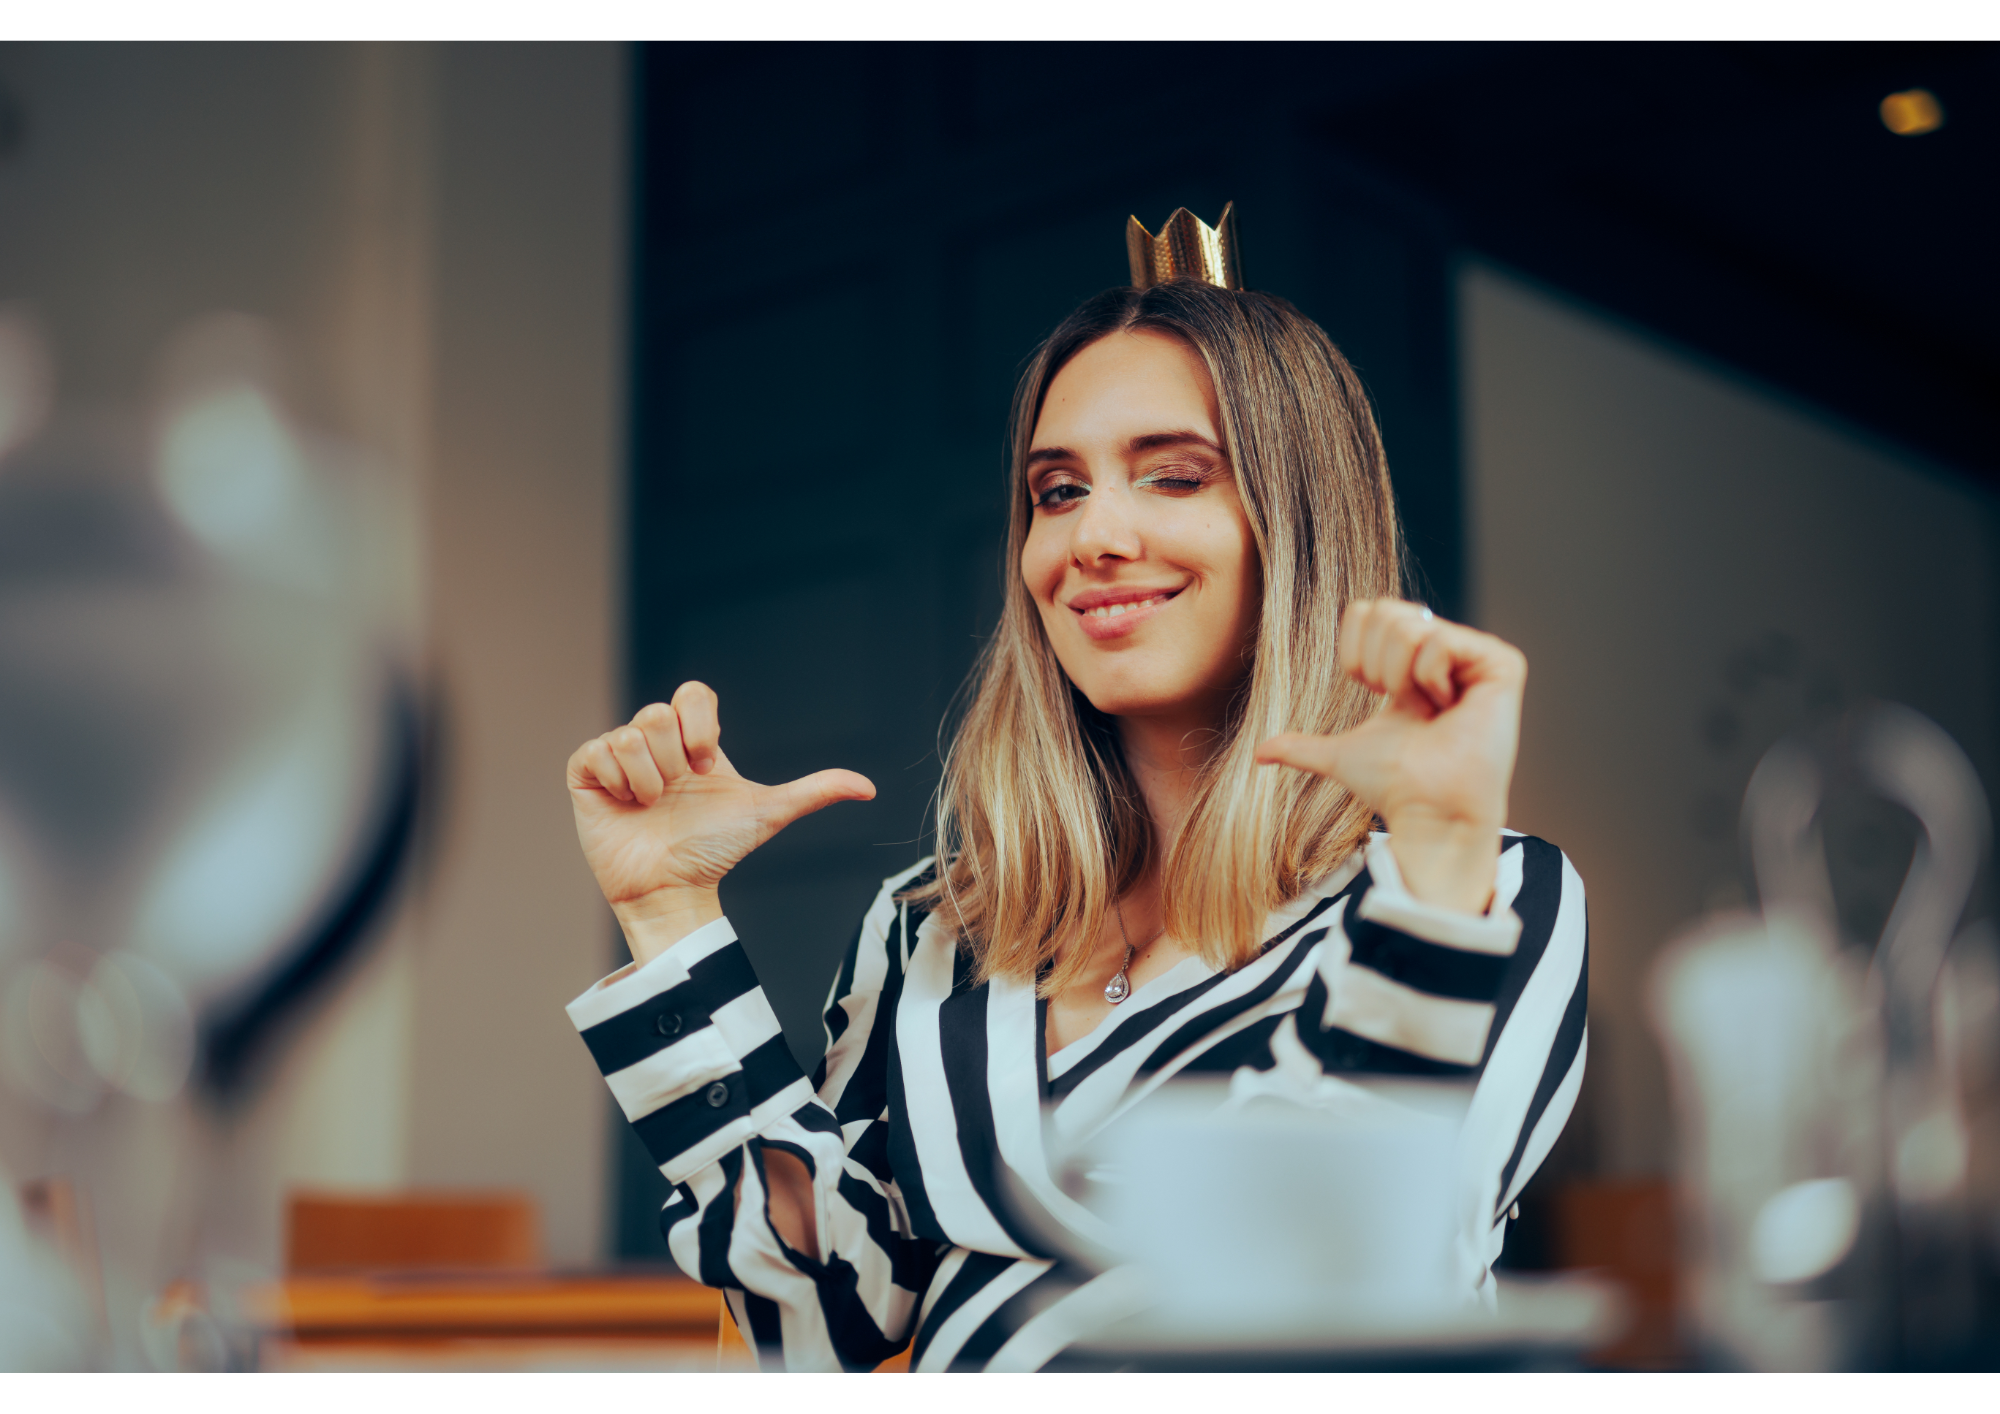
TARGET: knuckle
(628,739)
(654,714)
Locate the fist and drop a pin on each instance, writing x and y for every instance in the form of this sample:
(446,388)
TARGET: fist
(1437,760)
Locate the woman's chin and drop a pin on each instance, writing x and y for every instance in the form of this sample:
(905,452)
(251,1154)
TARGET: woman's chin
(1148,701)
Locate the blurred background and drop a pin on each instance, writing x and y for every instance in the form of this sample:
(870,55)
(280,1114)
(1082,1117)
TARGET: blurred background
(378,422)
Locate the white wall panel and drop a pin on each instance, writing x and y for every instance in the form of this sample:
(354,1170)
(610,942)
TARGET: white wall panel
(1693,565)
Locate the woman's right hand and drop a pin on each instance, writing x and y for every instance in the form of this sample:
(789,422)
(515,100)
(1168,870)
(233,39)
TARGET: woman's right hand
(662,815)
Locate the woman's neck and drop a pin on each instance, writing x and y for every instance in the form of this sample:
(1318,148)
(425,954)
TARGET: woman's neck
(1165,757)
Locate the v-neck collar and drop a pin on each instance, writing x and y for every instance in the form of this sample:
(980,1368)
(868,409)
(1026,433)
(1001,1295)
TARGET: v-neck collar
(1155,989)
(1277,924)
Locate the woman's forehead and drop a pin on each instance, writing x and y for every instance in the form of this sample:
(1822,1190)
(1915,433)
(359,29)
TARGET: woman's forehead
(1124,386)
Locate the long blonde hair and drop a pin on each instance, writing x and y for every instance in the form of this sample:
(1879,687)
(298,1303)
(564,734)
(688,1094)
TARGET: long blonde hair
(1040,826)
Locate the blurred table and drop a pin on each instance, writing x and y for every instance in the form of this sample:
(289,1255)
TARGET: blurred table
(1543,1324)
(488,1320)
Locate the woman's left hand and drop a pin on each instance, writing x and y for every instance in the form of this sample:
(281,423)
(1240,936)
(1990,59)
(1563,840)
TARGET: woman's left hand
(1436,761)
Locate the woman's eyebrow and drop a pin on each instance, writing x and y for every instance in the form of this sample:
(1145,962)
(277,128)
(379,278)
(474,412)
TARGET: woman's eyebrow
(1145,442)
(1152,440)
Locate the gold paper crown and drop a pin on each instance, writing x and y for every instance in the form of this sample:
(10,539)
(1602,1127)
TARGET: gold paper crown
(1185,249)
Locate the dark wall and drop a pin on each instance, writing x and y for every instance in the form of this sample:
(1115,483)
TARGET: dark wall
(846,252)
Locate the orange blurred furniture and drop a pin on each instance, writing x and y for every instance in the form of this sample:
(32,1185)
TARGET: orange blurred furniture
(502,1320)
(455,1281)
(1624,1229)
(326,1232)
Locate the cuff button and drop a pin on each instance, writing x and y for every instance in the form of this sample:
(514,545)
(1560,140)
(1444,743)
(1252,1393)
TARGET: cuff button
(717,1095)
(668,1023)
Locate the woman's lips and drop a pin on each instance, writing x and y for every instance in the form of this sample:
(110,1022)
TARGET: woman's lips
(1116,620)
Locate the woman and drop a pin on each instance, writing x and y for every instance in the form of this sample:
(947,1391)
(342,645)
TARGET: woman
(1154,858)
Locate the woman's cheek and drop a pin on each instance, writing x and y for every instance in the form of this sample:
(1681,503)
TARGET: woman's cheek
(1041,561)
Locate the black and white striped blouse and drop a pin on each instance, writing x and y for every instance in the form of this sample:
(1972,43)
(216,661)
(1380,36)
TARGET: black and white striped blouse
(932,1087)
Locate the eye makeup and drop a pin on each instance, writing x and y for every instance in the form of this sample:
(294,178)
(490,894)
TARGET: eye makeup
(1176,478)
(1183,477)
(1054,496)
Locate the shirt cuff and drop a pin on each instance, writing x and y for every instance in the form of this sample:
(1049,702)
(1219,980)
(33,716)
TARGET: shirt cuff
(633,983)
(1388,902)
(691,1049)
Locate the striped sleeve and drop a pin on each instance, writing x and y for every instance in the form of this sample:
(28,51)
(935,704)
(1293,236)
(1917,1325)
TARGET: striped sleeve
(1498,1000)
(694,1056)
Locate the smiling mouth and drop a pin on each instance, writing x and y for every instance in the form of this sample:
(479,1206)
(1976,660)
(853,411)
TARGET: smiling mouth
(1103,623)
(1112,611)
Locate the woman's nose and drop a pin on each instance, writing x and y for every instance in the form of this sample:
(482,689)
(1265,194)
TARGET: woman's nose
(1103,527)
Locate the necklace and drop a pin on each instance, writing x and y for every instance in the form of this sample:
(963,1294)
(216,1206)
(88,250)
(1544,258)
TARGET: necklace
(1120,987)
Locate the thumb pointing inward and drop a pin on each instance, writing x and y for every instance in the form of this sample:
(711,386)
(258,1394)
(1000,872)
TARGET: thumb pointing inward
(807,794)
(1319,754)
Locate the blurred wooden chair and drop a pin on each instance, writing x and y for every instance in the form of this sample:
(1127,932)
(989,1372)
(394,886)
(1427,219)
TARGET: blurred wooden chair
(1625,1229)
(333,1239)
(341,1232)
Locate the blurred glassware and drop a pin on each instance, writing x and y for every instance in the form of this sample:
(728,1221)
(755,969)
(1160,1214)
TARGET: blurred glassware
(45,1320)
(205,727)
(181,1336)
(1823,1141)
(209,763)
(41,1041)
(24,378)
(135,1027)
(1910,760)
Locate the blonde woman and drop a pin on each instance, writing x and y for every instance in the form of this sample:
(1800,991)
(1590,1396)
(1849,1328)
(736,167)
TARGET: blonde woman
(1154,857)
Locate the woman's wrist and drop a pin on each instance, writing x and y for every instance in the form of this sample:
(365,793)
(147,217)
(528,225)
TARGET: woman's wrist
(655,921)
(1446,862)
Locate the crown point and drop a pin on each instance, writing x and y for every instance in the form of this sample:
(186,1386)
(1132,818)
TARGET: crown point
(1185,249)
(1138,248)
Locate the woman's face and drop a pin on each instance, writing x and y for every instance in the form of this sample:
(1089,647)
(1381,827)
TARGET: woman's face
(1139,555)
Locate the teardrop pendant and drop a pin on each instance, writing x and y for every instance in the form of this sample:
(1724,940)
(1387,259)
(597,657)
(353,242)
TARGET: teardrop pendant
(1120,987)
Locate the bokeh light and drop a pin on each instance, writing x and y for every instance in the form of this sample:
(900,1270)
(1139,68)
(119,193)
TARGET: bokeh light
(1912,113)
